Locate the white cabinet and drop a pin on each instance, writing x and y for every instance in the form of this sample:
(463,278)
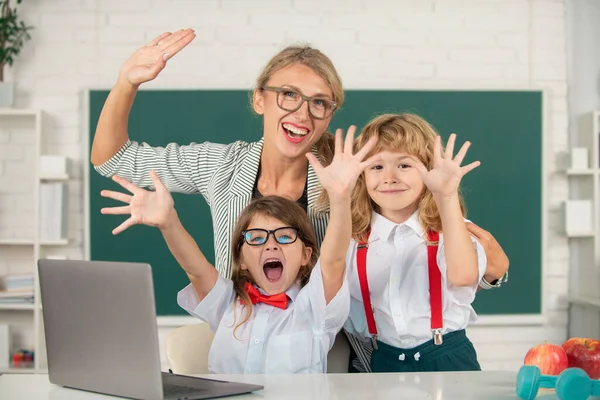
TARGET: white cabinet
(21,148)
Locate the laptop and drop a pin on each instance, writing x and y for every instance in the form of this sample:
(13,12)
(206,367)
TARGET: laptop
(101,333)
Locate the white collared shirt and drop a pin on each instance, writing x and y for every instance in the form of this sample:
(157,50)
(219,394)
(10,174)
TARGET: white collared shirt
(398,278)
(273,340)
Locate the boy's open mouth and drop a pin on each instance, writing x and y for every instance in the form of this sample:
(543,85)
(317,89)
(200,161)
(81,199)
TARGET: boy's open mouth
(273,269)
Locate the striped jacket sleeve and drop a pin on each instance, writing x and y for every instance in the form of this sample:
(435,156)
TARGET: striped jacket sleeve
(183,169)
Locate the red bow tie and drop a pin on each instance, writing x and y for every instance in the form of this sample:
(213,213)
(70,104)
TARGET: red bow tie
(279,300)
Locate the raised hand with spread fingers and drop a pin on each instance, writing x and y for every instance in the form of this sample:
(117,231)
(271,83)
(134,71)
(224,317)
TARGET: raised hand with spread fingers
(445,176)
(146,63)
(156,208)
(152,208)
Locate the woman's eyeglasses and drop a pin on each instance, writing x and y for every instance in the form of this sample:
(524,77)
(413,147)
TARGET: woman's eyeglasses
(289,99)
(258,237)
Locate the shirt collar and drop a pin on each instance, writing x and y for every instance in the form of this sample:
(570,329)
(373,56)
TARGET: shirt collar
(383,228)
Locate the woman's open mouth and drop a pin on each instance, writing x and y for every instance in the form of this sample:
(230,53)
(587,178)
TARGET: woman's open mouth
(293,133)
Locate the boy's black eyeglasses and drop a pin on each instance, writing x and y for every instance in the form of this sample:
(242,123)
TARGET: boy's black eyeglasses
(289,99)
(258,237)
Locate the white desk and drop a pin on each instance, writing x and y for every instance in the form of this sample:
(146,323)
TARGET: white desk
(434,386)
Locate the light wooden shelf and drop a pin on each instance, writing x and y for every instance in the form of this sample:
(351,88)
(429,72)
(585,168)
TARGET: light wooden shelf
(581,172)
(59,242)
(16,306)
(585,301)
(16,242)
(19,112)
(63,177)
(580,234)
(30,242)
(17,370)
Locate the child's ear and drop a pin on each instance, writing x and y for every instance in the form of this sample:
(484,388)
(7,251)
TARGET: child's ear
(306,256)
(258,102)
(243,265)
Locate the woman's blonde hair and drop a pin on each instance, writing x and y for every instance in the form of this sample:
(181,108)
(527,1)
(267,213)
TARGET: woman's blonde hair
(322,66)
(288,212)
(397,132)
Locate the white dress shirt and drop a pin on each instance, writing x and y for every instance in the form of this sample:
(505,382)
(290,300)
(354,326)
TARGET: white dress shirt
(397,272)
(273,340)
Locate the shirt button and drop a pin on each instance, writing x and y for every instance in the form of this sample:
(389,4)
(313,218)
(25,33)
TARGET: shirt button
(256,341)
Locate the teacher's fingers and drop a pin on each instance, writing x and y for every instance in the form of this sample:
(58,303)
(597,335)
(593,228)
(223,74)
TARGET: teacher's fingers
(125,198)
(174,37)
(116,210)
(129,222)
(157,39)
(176,42)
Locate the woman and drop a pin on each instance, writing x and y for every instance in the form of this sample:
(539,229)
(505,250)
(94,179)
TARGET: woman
(297,94)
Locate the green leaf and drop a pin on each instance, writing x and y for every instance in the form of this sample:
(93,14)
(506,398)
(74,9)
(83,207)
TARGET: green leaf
(13,33)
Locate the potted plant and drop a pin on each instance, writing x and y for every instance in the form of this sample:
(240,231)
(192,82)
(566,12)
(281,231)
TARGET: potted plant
(13,33)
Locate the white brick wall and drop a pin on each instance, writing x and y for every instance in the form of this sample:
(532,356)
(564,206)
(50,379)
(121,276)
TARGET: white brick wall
(396,44)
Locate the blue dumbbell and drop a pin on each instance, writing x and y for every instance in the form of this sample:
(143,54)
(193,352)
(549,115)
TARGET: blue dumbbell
(571,384)
(575,384)
(530,379)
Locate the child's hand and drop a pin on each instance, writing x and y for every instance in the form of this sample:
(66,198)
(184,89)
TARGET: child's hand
(444,178)
(339,177)
(146,207)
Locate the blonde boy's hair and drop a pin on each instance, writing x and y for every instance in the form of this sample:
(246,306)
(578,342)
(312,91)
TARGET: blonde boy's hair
(397,132)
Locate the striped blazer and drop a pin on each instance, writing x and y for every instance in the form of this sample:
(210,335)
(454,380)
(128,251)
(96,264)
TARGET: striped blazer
(223,174)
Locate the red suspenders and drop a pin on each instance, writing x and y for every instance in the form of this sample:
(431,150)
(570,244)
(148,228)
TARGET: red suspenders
(435,288)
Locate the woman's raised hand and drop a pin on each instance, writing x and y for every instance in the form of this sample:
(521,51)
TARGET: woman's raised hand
(146,63)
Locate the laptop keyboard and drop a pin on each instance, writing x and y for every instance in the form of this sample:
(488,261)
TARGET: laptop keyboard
(175,386)
(175,390)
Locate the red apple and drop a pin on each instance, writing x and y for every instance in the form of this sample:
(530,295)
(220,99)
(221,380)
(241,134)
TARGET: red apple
(551,359)
(585,354)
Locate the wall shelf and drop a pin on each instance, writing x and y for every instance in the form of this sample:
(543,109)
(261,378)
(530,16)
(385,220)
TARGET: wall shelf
(26,318)
(17,306)
(584,247)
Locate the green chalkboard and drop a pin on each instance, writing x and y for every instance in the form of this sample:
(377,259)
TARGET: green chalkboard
(503,195)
